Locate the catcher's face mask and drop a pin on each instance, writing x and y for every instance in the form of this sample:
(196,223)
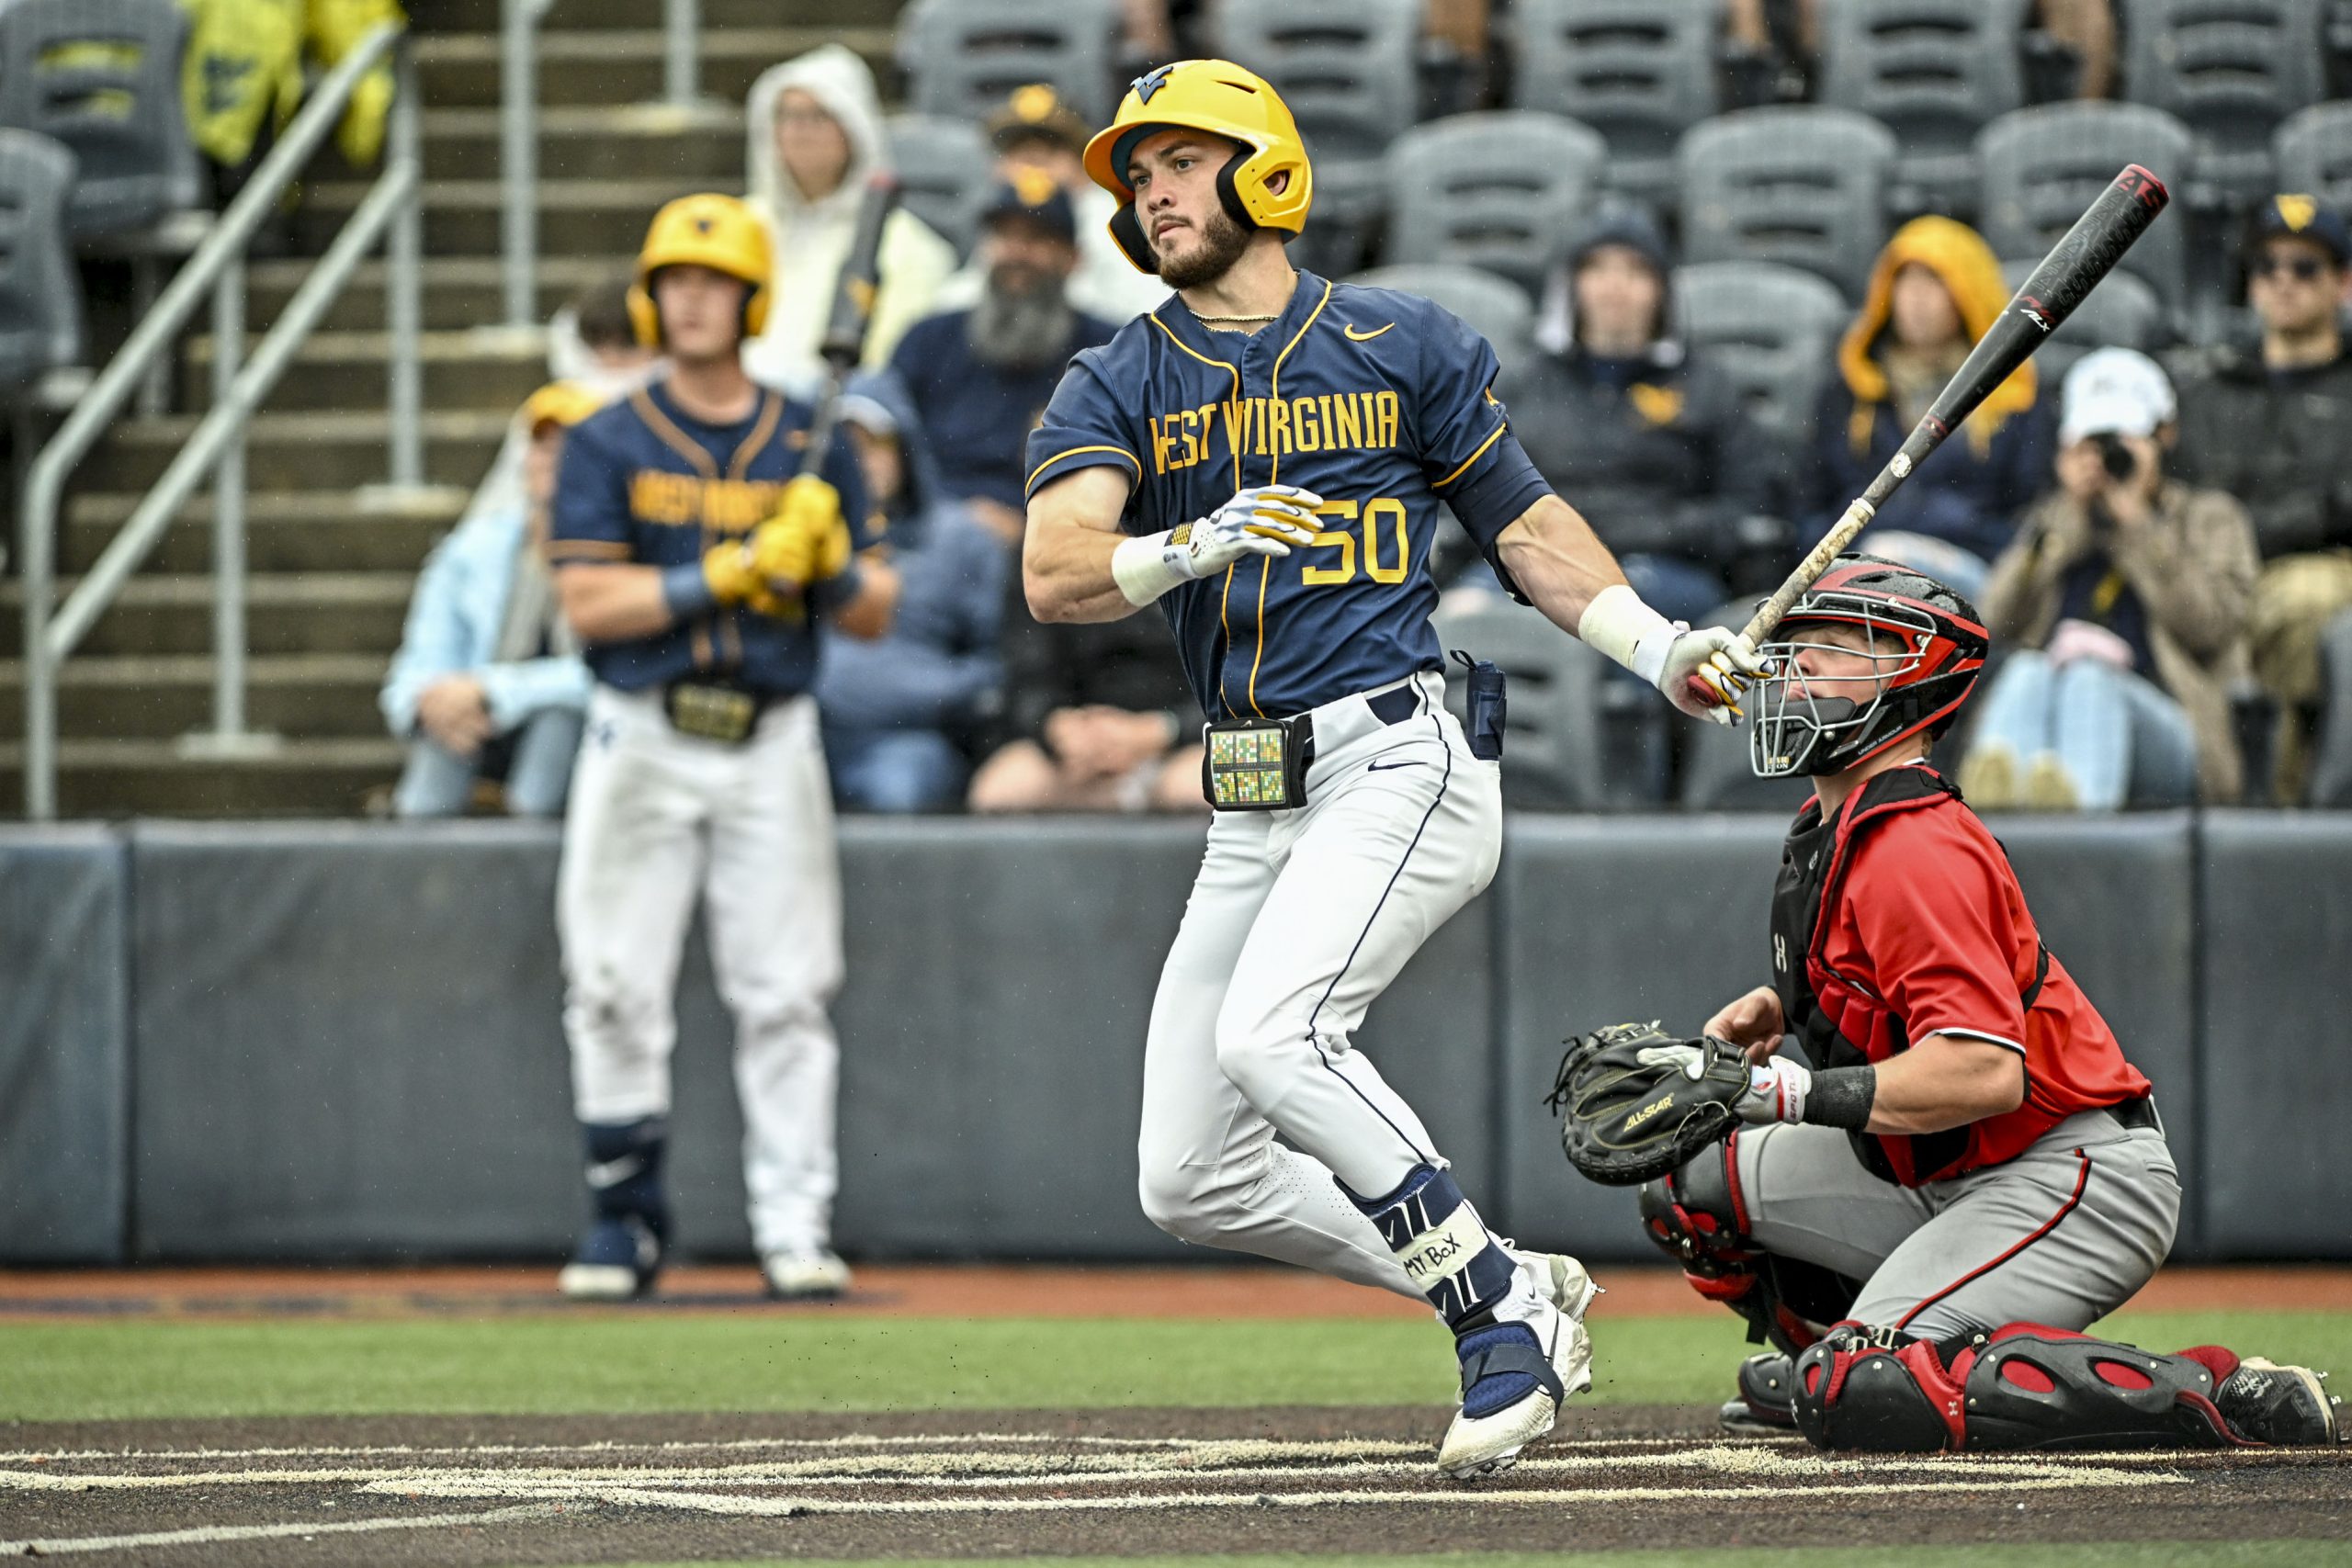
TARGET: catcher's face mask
(1827,698)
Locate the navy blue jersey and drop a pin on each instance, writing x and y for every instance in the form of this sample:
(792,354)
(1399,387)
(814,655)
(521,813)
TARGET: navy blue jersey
(644,484)
(1377,401)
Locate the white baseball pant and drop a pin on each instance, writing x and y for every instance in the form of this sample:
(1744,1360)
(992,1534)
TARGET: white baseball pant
(1297,920)
(656,817)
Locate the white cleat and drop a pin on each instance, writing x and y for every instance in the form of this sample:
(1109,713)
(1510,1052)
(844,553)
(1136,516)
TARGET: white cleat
(600,1282)
(805,1276)
(1488,1444)
(1557,1277)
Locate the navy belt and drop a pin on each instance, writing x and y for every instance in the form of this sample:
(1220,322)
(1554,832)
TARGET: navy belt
(1396,704)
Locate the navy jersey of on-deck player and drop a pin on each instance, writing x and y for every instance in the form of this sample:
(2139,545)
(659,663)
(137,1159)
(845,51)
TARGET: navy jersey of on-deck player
(644,484)
(1377,401)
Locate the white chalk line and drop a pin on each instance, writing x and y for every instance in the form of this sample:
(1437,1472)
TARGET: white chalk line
(217,1535)
(614,1445)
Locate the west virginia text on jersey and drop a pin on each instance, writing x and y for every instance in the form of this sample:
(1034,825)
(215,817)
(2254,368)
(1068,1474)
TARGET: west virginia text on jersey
(1375,400)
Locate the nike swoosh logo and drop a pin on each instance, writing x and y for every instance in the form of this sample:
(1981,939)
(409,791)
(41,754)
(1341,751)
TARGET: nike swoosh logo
(1355,336)
(1388,767)
(612,1173)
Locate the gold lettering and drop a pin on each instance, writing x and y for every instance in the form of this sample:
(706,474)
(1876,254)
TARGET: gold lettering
(1278,415)
(1236,425)
(1323,422)
(1384,401)
(1328,576)
(1191,437)
(1351,430)
(1304,426)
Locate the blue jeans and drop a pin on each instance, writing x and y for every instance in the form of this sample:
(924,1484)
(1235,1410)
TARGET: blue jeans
(894,770)
(2121,738)
(537,761)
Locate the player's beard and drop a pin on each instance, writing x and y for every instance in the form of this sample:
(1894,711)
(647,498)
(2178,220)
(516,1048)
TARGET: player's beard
(1023,319)
(1222,242)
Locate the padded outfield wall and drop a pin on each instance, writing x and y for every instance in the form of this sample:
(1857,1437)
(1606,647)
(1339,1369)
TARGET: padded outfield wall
(297,1041)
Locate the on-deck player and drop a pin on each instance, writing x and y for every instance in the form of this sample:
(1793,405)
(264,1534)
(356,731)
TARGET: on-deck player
(1970,1173)
(697,568)
(1264,457)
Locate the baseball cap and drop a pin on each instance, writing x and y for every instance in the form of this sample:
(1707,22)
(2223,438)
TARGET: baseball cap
(2303,218)
(1033,195)
(560,404)
(2115,391)
(1036,112)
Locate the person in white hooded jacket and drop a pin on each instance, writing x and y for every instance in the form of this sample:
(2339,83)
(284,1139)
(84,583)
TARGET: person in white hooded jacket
(813,136)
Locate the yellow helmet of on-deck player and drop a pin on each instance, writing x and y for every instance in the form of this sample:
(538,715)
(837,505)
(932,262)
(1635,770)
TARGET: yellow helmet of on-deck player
(716,232)
(1221,98)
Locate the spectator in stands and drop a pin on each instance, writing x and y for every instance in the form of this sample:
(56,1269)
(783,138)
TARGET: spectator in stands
(814,135)
(1648,440)
(2125,596)
(1037,130)
(900,710)
(488,681)
(592,340)
(979,378)
(1097,717)
(1786,35)
(1934,291)
(2274,428)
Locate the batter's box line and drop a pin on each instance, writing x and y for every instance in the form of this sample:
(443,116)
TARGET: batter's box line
(846,1440)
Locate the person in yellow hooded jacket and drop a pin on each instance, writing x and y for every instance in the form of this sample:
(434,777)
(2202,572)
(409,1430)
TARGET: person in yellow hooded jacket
(1934,291)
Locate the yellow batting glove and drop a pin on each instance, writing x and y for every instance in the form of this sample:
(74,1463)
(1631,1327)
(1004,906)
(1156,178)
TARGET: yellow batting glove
(807,541)
(728,568)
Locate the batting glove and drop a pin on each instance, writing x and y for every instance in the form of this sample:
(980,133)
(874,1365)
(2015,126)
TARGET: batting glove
(1776,1090)
(1264,521)
(807,539)
(1702,673)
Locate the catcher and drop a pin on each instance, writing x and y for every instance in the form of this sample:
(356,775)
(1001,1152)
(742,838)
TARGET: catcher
(1970,1173)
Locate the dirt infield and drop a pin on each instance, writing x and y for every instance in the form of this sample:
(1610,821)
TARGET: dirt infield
(1210,1291)
(448,1491)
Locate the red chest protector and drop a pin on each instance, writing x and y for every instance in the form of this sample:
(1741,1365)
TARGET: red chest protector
(1839,1020)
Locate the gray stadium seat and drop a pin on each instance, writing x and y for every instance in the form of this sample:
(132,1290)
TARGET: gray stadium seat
(1349,71)
(1497,191)
(963,57)
(1639,72)
(40,296)
(2122,312)
(944,167)
(2044,165)
(1715,774)
(1496,309)
(2231,71)
(2330,784)
(1551,740)
(1931,71)
(116,107)
(1772,330)
(1806,187)
(2315,153)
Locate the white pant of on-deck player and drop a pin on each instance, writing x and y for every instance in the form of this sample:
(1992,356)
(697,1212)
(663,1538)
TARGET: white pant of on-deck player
(1297,920)
(655,817)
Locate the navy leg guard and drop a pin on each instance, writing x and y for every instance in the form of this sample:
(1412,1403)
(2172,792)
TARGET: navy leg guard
(624,1172)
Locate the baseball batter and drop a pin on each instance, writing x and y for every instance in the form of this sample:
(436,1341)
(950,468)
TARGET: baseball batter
(1971,1172)
(1266,458)
(697,569)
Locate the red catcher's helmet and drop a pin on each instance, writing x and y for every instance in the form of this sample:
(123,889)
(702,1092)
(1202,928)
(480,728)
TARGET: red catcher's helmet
(1929,647)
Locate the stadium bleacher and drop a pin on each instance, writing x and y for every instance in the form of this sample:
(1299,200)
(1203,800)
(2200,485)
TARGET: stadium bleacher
(1916,106)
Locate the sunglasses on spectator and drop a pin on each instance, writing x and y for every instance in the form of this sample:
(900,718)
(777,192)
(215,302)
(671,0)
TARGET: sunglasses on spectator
(2304,270)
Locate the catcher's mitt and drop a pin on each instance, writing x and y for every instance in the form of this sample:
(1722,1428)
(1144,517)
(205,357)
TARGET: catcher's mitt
(1638,1102)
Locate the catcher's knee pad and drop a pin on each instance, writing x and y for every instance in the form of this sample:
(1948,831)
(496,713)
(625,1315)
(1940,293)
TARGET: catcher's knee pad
(2023,1386)
(1696,1216)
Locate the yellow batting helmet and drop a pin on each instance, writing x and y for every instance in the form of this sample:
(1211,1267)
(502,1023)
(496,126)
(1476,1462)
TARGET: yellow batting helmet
(562,405)
(1221,98)
(716,232)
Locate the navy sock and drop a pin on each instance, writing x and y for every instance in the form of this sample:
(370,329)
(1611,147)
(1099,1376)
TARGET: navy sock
(625,1171)
(1443,1245)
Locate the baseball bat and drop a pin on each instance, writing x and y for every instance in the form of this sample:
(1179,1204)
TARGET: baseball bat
(844,343)
(2074,266)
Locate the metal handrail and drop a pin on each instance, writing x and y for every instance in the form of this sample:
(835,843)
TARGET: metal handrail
(518,133)
(392,204)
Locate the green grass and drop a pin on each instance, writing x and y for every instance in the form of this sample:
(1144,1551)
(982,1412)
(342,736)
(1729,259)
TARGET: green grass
(589,1363)
(2125,1554)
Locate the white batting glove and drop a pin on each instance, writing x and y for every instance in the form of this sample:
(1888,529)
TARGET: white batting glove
(1266,520)
(1707,671)
(1776,1090)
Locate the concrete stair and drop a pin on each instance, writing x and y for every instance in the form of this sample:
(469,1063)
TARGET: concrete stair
(331,566)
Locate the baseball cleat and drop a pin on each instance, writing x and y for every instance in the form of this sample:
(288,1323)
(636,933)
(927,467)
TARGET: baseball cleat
(617,1261)
(1514,1377)
(805,1276)
(1557,1277)
(2270,1404)
(1767,1404)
